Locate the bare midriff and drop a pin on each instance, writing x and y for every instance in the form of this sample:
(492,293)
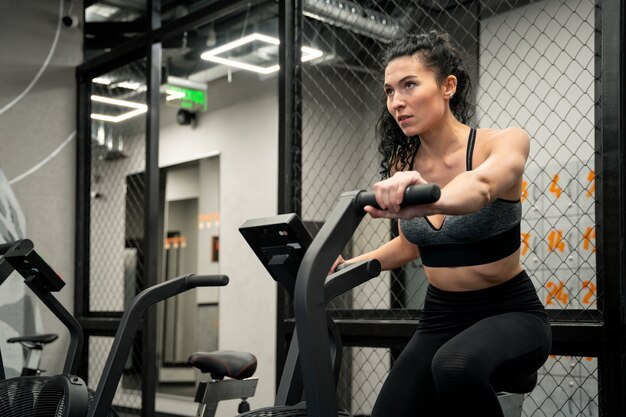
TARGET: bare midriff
(476,277)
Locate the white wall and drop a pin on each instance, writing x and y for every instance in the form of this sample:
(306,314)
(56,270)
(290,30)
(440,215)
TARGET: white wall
(208,203)
(182,183)
(245,133)
(543,80)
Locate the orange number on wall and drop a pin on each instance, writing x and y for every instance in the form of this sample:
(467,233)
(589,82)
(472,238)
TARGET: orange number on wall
(591,291)
(554,186)
(525,243)
(592,186)
(588,236)
(555,241)
(556,291)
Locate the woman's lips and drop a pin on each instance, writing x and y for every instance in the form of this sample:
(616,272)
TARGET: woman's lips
(404,120)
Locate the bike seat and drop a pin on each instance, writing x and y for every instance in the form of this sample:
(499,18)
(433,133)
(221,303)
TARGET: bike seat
(36,340)
(236,365)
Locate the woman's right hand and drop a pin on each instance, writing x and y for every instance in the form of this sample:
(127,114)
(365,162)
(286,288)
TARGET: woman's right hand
(389,195)
(338,261)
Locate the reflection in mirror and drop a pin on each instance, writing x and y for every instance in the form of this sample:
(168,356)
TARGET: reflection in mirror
(189,322)
(203,105)
(116,211)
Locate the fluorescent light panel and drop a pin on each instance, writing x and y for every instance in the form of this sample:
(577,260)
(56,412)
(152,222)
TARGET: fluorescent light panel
(101,81)
(138,109)
(308,53)
(173,95)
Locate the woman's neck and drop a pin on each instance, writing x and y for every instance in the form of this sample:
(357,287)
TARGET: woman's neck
(444,139)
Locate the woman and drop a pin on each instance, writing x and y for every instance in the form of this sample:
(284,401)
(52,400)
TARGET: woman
(483,328)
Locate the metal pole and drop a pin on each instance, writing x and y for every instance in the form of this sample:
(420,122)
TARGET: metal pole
(290,142)
(610,213)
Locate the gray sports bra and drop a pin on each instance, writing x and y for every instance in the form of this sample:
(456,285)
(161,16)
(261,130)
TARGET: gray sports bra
(488,235)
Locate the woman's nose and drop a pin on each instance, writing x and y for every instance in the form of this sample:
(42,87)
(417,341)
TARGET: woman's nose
(397,102)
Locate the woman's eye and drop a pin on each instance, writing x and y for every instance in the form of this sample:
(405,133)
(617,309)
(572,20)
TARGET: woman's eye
(388,92)
(409,85)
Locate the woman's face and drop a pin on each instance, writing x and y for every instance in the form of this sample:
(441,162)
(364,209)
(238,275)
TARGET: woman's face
(414,98)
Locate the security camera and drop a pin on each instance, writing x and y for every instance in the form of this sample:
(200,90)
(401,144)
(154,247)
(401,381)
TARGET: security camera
(70,21)
(185,117)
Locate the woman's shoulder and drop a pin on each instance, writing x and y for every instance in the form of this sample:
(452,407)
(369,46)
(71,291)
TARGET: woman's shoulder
(499,134)
(508,137)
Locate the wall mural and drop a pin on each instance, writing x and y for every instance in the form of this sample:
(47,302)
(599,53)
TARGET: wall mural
(52,46)
(18,312)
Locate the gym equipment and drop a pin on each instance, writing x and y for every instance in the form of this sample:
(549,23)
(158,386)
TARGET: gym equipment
(316,343)
(238,366)
(282,244)
(334,235)
(66,395)
(34,345)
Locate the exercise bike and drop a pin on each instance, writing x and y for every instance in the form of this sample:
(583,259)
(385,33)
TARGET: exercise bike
(231,378)
(312,361)
(34,345)
(66,395)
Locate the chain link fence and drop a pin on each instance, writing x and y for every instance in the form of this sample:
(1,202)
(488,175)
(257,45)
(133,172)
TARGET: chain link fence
(532,65)
(117,213)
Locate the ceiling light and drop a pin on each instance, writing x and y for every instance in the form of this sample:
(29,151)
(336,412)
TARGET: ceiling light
(174,95)
(100,12)
(101,81)
(130,85)
(139,108)
(308,53)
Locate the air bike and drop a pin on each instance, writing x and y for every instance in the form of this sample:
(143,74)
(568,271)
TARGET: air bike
(300,264)
(65,394)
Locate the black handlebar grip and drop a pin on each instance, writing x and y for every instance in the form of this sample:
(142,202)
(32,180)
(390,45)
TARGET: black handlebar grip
(5,247)
(207,281)
(413,195)
(18,244)
(373,267)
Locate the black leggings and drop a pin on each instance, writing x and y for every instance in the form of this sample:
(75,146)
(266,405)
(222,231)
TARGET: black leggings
(468,346)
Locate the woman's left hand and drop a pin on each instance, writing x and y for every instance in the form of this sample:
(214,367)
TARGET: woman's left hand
(390,193)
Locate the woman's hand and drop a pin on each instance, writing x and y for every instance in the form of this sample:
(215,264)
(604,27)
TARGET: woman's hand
(390,193)
(338,261)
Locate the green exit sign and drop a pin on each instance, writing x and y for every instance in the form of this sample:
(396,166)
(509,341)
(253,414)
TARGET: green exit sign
(187,98)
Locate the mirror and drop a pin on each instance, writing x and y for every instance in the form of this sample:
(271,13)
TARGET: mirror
(189,322)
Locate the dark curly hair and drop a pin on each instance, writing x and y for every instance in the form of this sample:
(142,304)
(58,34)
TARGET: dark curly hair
(435,50)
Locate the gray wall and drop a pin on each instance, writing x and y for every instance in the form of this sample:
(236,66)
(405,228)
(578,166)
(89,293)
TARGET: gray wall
(37,148)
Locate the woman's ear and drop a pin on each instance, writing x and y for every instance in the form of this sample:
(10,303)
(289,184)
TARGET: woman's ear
(449,86)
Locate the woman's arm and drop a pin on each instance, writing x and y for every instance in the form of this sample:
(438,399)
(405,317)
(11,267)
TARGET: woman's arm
(469,191)
(393,254)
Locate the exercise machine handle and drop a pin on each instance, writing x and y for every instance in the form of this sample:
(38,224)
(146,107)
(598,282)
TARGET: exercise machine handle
(125,335)
(413,195)
(207,281)
(310,294)
(348,276)
(18,244)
